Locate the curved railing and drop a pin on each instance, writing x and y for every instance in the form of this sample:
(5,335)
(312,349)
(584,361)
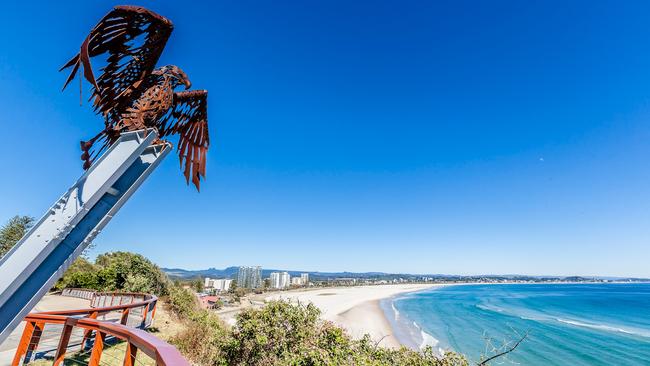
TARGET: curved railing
(113,322)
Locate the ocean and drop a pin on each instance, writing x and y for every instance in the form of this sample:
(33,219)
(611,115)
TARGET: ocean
(567,324)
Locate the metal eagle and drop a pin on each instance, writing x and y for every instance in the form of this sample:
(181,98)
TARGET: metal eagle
(132,94)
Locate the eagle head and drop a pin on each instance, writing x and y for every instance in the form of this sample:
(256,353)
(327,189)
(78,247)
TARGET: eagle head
(178,75)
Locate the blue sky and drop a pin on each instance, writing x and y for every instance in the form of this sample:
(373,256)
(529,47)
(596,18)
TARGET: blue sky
(399,136)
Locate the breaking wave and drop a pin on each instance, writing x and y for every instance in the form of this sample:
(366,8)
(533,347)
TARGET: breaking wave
(603,327)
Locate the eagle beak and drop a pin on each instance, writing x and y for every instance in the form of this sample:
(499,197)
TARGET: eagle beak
(188,84)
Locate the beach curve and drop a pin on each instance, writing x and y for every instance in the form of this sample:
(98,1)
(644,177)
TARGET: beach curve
(355,308)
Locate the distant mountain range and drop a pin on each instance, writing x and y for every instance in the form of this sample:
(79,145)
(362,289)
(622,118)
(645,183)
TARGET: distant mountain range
(231,272)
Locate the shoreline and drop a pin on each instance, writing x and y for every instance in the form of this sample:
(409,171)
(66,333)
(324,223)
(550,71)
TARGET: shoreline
(369,310)
(358,309)
(408,333)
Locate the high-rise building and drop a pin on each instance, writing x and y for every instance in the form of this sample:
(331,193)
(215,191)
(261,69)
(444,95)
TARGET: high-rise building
(285,280)
(274,280)
(280,280)
(249,277)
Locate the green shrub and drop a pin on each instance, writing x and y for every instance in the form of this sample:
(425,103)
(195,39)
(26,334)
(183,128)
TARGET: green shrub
(118,271)
(205,337)
(278,331)
(281,333)
(81,274)
(132,272)
(182,302)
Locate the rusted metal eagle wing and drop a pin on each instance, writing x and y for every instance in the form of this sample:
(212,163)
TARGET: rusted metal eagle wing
(133,39)
(189,119)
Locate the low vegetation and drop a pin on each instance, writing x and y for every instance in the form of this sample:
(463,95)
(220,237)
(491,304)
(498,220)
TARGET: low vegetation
(281,333)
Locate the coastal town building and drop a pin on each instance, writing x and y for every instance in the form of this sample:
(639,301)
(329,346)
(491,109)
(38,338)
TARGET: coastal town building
(303,280)
(217,284)
(208,301)
(249,277)
(280,280)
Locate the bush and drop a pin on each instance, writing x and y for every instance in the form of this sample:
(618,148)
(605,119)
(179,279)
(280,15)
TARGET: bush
(205,337)
(281,333)
(81,274)
(284,334)
(132,272)
(182,302)
(118,271)
(278,331)
(205,340)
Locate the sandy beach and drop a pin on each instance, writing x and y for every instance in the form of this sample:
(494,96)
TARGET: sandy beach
(355,309)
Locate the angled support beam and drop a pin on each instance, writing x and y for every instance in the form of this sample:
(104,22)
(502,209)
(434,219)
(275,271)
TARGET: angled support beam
(41,257)
(63,343)
(24,343)
(125,316)
(98,348)
(85,340)
(130,355)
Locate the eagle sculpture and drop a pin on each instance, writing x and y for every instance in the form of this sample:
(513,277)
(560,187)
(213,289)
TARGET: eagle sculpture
(132,94)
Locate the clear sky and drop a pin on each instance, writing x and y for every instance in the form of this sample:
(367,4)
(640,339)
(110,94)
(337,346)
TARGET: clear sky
(400,136)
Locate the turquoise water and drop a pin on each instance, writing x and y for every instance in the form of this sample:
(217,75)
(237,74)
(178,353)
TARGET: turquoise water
(568,324)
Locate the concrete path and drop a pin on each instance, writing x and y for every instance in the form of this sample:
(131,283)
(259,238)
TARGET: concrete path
(47,303)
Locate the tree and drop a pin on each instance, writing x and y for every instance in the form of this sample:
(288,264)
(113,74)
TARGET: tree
(13,231)
(131,272)
(81,274)
(197,284)
(233,287)
(118,271)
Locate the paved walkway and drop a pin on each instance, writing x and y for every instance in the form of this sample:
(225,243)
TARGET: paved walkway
(47,303)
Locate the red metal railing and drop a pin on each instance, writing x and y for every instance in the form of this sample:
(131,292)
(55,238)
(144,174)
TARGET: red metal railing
(122,314)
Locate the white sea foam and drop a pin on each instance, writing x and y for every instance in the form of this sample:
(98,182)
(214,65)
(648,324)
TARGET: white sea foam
(395,311)
(522,314)
(530,315)
(604,327)
(490,308)
(404,330)
(428,340)
(537,319)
